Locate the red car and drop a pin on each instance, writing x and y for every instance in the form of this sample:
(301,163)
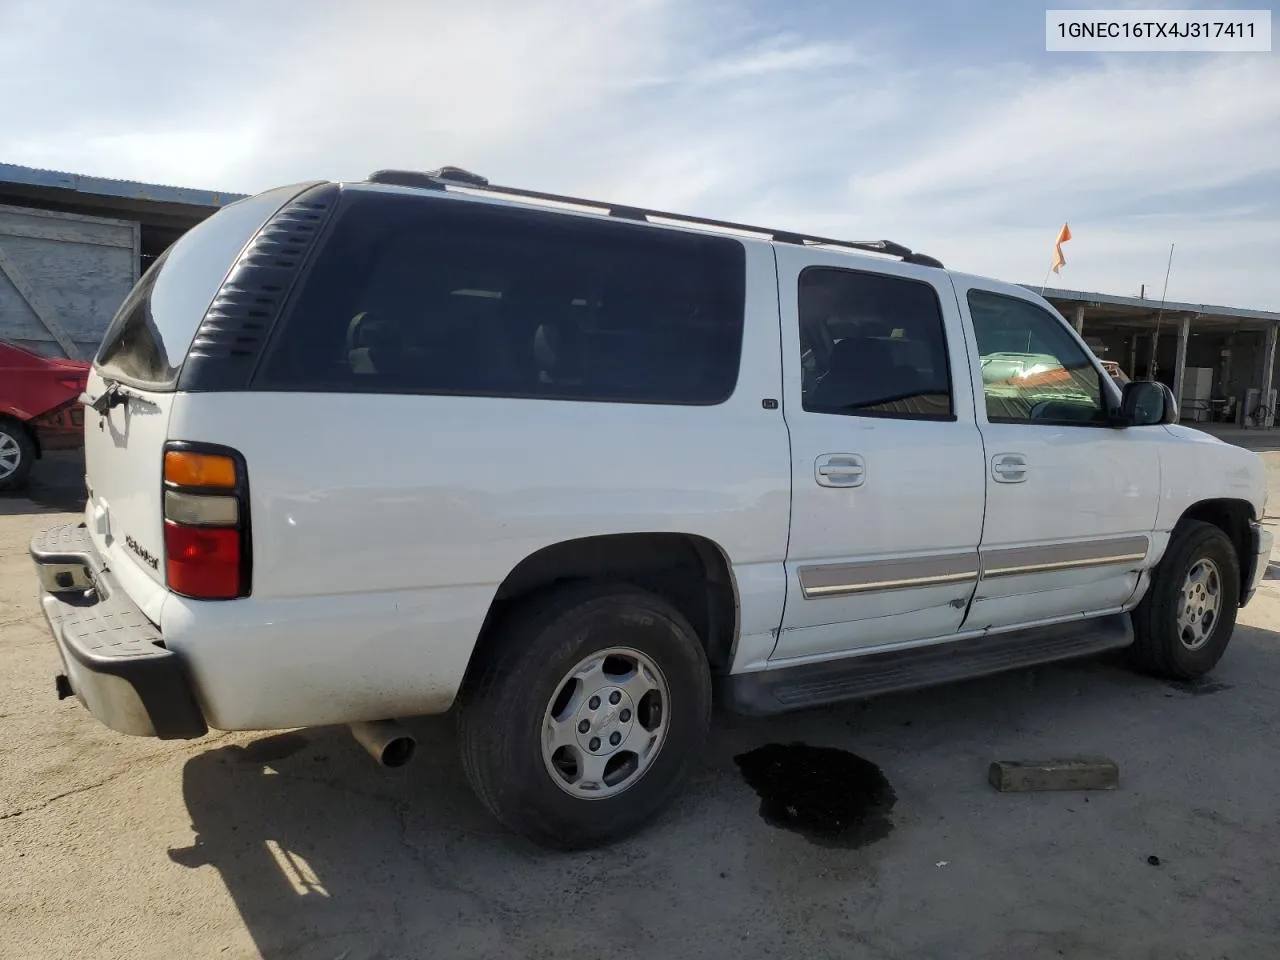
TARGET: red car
(39,409)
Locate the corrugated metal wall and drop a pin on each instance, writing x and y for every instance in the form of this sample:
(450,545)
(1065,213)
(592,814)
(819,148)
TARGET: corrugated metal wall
(62,276)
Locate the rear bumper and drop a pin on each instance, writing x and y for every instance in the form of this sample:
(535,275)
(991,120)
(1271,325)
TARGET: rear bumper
(1262,541)
(114,657)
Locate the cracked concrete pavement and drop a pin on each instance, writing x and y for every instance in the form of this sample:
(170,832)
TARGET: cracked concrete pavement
(294,844)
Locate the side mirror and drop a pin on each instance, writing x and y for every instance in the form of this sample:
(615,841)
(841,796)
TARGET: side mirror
(1144,403)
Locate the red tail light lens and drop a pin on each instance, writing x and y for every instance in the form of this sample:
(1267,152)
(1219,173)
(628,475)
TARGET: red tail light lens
(202,562)
(206,522)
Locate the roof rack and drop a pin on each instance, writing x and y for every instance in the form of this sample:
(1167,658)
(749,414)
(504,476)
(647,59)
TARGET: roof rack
(457,177)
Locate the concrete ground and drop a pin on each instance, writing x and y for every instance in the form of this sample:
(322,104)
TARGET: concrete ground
(296,845)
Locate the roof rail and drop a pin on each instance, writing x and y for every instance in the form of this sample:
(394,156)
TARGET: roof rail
(457,177)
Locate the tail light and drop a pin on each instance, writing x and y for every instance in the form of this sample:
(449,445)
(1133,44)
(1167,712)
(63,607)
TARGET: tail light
(206,521)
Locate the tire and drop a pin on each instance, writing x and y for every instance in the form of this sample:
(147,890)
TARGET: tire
(1161,644)
(510,708)
(15,441)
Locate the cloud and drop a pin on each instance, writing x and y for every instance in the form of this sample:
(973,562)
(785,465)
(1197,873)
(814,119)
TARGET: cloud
(779,55)
(809,118)
(1117,128)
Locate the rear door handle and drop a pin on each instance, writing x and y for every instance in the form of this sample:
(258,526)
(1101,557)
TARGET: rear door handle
(839,470)
(1009,468)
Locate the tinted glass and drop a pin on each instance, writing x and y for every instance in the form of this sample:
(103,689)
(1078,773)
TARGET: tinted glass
(1032,368)
(872,345)
(415,294)
(150,334)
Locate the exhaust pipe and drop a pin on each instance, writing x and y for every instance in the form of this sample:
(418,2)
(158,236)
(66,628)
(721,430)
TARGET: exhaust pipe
(386,740)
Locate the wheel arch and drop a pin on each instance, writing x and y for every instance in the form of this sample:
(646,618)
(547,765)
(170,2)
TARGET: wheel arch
(1232,516)
(689,571)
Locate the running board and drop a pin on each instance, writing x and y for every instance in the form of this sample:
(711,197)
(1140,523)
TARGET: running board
(853,678)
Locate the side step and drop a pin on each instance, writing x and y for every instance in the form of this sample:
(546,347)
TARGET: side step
(854,678)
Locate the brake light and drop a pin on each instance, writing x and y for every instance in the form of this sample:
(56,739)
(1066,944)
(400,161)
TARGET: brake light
(206,523)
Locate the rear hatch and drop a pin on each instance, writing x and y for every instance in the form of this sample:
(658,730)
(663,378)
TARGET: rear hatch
(133,387)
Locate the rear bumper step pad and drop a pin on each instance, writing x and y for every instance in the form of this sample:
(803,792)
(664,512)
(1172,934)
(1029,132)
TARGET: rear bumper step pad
(114,657)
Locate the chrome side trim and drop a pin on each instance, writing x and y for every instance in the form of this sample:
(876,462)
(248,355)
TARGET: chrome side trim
(1042,558)
(844,579)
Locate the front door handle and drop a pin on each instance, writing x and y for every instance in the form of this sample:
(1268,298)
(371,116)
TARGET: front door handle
(839,470)
(1009,468)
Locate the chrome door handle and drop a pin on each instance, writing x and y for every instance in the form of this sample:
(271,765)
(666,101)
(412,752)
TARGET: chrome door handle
(1009,467)
(839,470)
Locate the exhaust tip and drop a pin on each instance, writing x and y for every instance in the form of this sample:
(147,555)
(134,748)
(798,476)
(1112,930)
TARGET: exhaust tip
(386,741)
(398,752)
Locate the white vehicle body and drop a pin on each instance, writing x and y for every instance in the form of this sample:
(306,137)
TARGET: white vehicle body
(385,524)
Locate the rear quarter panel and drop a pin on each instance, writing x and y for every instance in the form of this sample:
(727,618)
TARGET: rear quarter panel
(383,525)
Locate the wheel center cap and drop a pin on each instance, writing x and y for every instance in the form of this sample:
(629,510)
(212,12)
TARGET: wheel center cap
(604,721)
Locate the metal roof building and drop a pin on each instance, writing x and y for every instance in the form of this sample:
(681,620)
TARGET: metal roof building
(1212,356)
(71,248)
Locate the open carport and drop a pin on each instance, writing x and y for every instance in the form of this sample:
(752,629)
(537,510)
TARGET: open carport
(1218,360)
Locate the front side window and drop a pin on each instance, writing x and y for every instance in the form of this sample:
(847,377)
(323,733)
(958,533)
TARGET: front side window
(423,295)
(1033,370)
(872,345)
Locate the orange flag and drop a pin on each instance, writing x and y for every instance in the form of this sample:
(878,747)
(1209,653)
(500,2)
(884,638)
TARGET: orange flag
(1059,260)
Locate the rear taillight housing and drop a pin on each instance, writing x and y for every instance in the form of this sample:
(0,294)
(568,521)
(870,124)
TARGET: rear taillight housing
(206,521)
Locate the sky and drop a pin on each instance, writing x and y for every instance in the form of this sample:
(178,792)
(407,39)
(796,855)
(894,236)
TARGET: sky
(942,125)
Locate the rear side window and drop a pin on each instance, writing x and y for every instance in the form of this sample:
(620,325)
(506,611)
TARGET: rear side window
(149,336)
(422,295)
(872,345)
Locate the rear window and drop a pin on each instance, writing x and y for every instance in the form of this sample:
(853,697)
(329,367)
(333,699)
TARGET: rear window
(151,332)
(423,295)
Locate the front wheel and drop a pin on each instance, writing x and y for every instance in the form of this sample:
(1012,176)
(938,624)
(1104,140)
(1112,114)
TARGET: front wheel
(1184,623)
(583,721)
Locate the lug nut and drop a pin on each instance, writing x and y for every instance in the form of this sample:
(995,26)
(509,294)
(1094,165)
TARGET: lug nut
(624,716)
(615,738)
(584,726)
(594,745)
(594,703)
(615,696)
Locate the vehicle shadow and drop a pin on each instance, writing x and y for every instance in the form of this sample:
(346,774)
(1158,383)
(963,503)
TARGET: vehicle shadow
(325,854)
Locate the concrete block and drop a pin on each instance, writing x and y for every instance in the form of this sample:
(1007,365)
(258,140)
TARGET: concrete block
(1021,776)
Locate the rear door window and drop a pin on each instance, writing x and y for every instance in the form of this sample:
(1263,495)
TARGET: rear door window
(151,332)
(872,345)
(425,295)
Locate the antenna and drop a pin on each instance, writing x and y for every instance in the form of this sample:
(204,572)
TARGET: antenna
(1155,339)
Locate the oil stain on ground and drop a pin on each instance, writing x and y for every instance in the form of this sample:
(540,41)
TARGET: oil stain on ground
(830,796)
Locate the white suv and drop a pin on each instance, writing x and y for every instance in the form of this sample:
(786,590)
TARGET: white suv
(366,451)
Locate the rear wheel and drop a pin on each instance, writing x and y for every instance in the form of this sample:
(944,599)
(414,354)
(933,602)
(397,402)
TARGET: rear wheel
(1185,621)
(592,704)
(17,454)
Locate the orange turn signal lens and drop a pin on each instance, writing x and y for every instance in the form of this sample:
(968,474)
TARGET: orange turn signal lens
(199,469)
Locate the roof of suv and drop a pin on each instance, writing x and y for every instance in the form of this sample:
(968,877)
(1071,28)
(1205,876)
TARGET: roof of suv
(456,181)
